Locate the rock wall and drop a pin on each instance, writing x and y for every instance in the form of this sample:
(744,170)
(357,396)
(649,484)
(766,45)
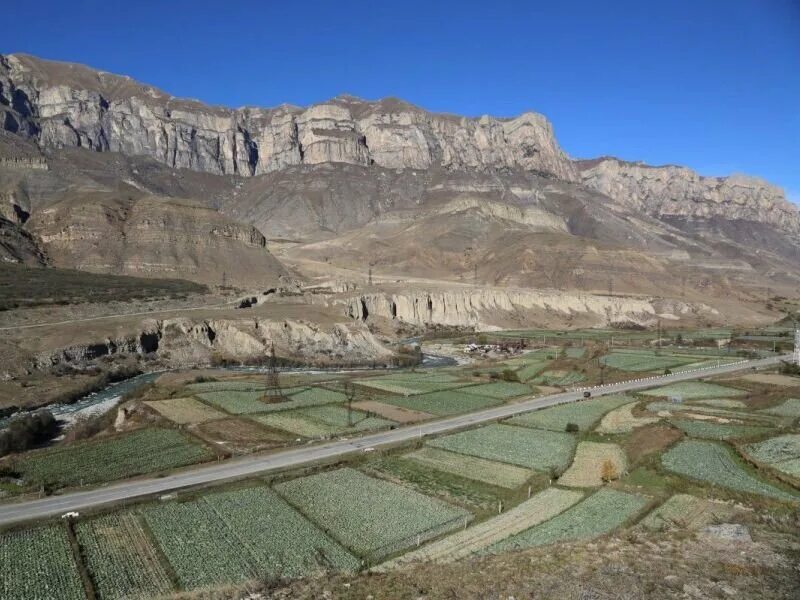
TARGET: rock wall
(184,342)
(65,105)
(678,191)
(485,309)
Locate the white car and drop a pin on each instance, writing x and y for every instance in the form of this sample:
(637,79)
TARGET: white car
(71,515)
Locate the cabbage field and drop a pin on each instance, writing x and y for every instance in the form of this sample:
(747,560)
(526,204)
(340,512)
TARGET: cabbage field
(446,402)
(500,389)
(322,421)
(695,390)
(141,451)
(717,431)
(715,464)
(584,414)
(38,564)
(231,537)
(372,517)
(531,448)
(687,512)
(471,467)
(790,408)
(599,514)
(121,559)
(781,453)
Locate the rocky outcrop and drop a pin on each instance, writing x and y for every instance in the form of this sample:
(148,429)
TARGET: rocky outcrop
(673,191)
(154,237)
(19,246)
(65,105)
(485,309)
(184,342)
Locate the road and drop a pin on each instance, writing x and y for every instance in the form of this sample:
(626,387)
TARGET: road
(259,464)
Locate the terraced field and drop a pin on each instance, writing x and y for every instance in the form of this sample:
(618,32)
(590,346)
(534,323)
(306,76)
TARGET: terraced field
(322,421)
(622,420)
(584,414)
(640,362)
(717,431)
(687,512)
(185,411)
(538,509)
(781,453)
(142,451)
(600,513)
(38,564)
(232,537)
(448,402)
(593,463)
(695,390)
(372,517)
(122,561)
(535,449)
(501,390)
(471,467)
(715,464)
(409,386)
(790,408)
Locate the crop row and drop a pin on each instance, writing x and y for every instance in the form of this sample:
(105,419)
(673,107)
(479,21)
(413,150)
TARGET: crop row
(584,414)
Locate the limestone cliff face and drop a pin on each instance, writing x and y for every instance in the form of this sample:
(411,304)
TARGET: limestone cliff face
(184,342)
(485,308)
(154,237)
(673,191)
(65,105)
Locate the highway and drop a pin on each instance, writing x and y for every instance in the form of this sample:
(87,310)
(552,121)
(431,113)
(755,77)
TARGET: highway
(262,463)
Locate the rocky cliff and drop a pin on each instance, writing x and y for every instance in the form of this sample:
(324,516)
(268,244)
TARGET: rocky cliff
(66,105)
(154,237)
(673,191)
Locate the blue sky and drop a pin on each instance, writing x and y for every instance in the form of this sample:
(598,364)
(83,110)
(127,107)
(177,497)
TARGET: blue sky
(712,84)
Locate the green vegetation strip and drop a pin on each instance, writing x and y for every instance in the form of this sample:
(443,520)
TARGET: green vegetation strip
(717,431)
(241,403)
(715,464)
(38,564)
(448,402)
(321,421)
(790,408)
(142,451)
(500,390)
(471,467)
(599,514)
(584,414)
(374,518)
(641,362)
(121,559)
(235,536)
(535,449)
(695,390)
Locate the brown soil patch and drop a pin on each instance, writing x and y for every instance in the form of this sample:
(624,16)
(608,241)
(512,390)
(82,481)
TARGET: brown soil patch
(647,440)
(773,379)
(393,413)
(240,436)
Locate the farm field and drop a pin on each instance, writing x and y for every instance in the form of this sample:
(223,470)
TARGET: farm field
(141,451)
(38,563)
(538,509)
(790,408)
(502,390)
(593,461)
(235,536)
(600,513)
(391,412)
(558,378)
(640,362)
(715,464)
(696,411)
(575,351)
(409,386)
(322,421)
(584,414)
(773,379)
(531,368)
(443,403)
(372,517)
(535,449)
(185,411)
(717,431)
(695,390)
(471,467)
(622,420)
(122,561)
(721,403)
(781,453)
(687,512)
(240,435)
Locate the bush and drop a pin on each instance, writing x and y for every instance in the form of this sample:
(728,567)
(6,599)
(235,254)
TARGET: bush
(28,431)
(788,368)
(510,375)
(572,428)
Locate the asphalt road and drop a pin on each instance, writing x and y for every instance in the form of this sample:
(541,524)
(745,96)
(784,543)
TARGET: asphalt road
(259,464)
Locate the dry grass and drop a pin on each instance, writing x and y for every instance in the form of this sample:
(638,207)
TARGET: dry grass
(594,463)
(649,440)
(185,411)
(391,412)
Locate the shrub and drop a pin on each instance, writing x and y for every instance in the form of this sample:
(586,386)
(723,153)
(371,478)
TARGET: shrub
(572,428)
(510,375)
(608,472)
(28,431)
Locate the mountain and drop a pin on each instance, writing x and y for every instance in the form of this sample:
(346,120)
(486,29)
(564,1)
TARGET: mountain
(113,175)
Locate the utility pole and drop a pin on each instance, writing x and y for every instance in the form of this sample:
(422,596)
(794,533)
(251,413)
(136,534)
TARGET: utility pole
(273,392)
(796,345)
(611,286)
(370,274)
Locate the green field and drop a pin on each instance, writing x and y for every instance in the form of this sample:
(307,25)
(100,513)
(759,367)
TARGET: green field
(790,408)
(695,390)
(121,559)
(411,384)
(471,467)
(322,421)
(142,451)
(236,385)
(561,378)
(781,453)
(370,516)
(584,414)
(599,514)
(502,390)
(575,351)
(531,369)
(231,537)
(715,464)
(38,564)
(243,403)
(643,362)
(717,431)
(447,402)
(531,448)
